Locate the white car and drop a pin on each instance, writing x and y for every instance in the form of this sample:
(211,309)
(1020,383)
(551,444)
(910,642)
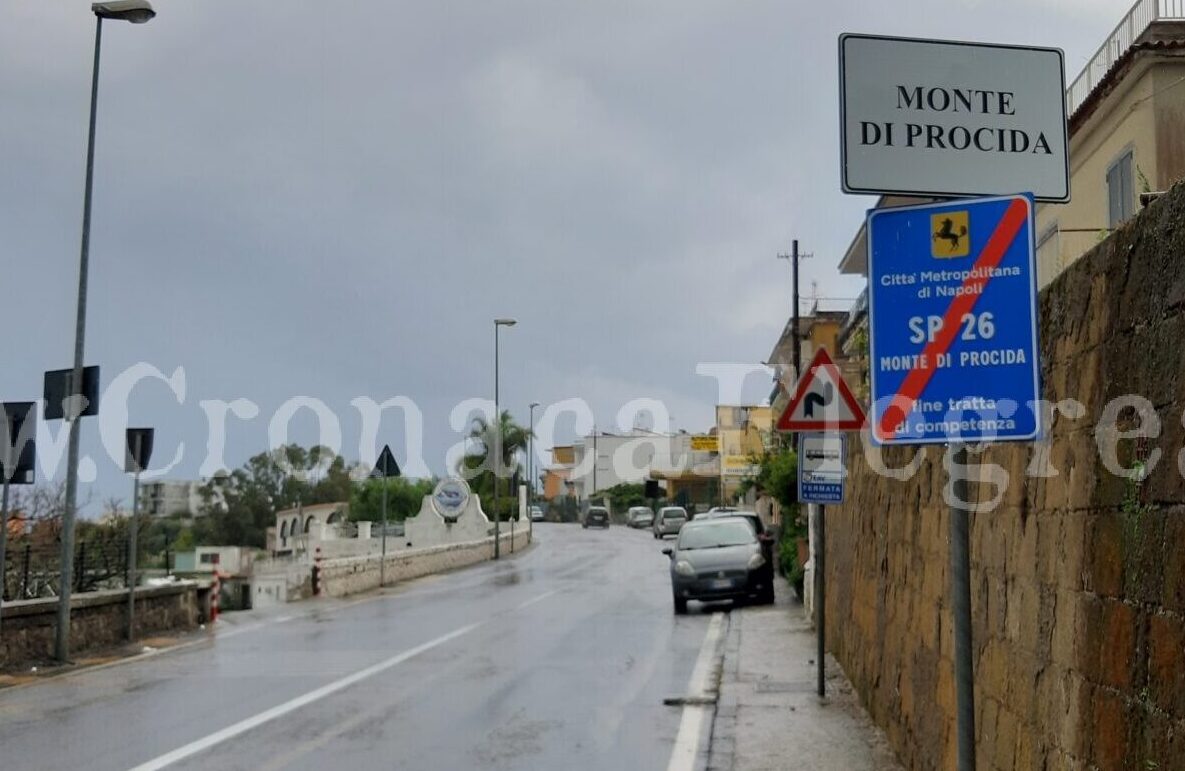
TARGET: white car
(640,516)
(669,521)
(536,514)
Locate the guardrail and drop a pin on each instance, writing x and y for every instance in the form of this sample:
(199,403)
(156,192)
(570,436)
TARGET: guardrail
(1126,33)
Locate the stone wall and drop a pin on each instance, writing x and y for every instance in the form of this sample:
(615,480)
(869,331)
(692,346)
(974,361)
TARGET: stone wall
(98,620)
(350,575)
(1078,579)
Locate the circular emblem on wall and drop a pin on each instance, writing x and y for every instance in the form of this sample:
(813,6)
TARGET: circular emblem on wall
(450,497)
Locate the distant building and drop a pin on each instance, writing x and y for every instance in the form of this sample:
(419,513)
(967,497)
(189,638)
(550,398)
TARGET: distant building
(556,476)
(167,498)
(819,329)
(226,560)
(744,431)
(296,528)
(1127,133)
(603,460)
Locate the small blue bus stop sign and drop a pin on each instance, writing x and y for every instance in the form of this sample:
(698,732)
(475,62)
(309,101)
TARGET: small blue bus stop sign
(822,468)
(953,322)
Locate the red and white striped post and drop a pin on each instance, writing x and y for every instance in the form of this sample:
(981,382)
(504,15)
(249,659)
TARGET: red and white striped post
(215,590)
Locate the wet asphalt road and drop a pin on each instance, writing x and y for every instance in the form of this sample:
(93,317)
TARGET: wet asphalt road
(558,658)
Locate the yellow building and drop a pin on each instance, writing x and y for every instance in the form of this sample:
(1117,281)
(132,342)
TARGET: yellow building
(1127,134)
(818,330)
(744,433)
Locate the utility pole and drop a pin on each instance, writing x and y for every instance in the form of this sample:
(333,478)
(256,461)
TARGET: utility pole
(794,257)
(595,459)
(531,458)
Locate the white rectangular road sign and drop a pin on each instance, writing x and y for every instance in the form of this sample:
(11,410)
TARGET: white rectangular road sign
(947,118)
(822,468)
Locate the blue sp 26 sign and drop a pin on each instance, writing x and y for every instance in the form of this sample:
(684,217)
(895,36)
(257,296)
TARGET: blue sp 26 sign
(953,322)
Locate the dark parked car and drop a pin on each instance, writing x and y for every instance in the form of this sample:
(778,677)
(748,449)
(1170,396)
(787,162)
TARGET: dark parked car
(719,558)
(597,516)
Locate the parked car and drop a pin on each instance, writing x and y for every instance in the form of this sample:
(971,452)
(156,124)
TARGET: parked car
(668,521)
(763,535)
(719,559)
(597,516)
(640,516)
(536,514)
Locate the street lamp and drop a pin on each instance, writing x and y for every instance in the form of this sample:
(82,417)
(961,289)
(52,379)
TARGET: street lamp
(136,12)
(498,324)
(531,456)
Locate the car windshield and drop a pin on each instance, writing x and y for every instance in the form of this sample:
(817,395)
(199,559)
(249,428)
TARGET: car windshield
(716,534)
(674,514)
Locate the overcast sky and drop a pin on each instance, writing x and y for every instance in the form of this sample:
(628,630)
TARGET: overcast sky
(335,199)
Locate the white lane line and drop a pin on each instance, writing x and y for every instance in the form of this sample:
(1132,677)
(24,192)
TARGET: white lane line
(540,598)
(691,726)
(231,731)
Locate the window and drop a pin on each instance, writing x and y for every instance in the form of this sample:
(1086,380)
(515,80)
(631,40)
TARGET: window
(208,559)
(1120,196)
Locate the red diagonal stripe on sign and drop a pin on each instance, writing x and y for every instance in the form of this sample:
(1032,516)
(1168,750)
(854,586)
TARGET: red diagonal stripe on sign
(915,382)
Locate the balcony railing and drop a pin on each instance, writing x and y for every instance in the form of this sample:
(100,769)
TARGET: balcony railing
(1135,23)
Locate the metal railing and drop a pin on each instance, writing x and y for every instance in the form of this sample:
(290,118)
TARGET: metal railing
(1135,23)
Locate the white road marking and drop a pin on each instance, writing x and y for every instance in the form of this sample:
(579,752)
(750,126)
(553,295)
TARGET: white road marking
(231,731)
(268,715)
(540,598)
(691,726)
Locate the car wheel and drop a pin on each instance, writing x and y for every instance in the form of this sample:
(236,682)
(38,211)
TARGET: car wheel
(766,596)
(680,606)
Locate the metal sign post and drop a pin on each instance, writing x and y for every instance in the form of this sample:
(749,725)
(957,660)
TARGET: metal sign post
(138,454)
(821,401)
(822,469)
(821,596)
(385,467)
(960,584)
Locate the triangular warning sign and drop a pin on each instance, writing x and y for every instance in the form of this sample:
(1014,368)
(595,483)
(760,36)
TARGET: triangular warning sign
(386,467)
(822,401)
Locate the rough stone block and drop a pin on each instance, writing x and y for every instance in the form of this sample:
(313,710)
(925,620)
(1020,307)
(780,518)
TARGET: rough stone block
(1109,745)
(1166,663)
(1116,662)
(1104,547)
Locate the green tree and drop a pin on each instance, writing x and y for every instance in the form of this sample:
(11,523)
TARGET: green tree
(404,497)
(625,495)
(778,476)
(477,465)
(239,506)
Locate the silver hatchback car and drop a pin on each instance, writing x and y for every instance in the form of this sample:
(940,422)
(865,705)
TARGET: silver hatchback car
(669,520)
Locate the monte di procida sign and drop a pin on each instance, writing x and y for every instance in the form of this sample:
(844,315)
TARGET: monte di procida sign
(946,118)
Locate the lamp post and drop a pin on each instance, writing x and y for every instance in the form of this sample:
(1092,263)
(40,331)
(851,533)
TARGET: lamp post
(531,458)
(135,12)
(498,324)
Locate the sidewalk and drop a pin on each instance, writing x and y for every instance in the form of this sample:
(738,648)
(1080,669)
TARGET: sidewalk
(769,718)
